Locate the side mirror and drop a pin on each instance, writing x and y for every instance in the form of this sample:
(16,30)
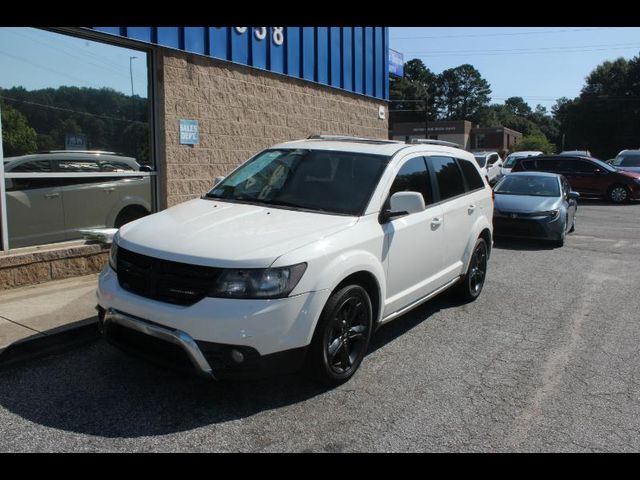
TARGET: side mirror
(217,180)
(573,195)
(403,203)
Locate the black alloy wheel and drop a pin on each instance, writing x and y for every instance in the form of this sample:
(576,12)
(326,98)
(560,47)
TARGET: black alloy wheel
(470,286)
(342,336)
(619,194)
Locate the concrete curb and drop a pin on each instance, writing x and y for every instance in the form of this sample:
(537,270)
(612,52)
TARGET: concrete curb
(51,342)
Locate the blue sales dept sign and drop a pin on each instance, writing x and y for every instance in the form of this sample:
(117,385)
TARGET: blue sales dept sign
(189,134)
(396,63)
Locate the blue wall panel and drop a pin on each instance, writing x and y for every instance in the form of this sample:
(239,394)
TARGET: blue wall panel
(378,63)
(293,51)
(335,53)
(385,52)
(239,46)
(195,40)
(139,33)
(169,36)
(218,42)
(276,54)
(368,61)
(259,50)
(358,62)
(347,58)
(309,53)
(351,58)
(322,55)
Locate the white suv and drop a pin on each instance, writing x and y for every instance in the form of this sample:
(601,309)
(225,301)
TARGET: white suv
(490,165)
(298,256)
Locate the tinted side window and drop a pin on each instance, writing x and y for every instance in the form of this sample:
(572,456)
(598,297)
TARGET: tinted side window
(474,180)
(414,177)
(20,184)
(115,166)
(448,176)
(528,164)
(580,166)
(78,166)
(34,166)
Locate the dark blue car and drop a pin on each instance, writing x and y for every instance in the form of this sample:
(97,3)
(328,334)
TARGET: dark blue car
(534,205)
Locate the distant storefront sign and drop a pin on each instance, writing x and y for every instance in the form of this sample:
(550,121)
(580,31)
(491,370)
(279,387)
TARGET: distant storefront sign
(189,134)
(75,141)
(396,63)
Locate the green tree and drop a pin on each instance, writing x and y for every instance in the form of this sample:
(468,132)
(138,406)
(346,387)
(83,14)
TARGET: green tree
(414,94)
(535,142)
(518,106)
(18,138)
(604,117)
(461,93)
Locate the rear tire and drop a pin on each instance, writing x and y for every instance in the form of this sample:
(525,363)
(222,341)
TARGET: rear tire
(470,286)
(341,338)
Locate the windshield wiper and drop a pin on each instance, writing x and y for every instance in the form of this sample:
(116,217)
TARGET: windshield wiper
(282,203)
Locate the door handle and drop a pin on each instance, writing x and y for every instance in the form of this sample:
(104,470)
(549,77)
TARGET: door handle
(471,209)
(109,190)
(51,195)
(436,222)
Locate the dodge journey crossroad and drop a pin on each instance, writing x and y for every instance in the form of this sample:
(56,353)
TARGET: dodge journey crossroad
(295,258)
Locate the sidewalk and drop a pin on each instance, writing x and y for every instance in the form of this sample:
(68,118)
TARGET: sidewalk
(41,319)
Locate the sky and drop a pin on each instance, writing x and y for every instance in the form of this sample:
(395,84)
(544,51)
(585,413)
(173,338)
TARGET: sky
(35,59)
(540,64)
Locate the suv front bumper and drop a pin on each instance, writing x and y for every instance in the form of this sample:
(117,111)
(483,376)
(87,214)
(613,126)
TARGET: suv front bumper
(272,335)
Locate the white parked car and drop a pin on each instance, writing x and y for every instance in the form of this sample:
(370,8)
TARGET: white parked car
(298,256)
(490,164)
(511,159)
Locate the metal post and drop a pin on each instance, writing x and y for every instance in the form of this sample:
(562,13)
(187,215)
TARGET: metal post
(4,241)
(131,73)
(426,117)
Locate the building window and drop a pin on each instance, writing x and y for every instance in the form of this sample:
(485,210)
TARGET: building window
(480,140)
(76,135)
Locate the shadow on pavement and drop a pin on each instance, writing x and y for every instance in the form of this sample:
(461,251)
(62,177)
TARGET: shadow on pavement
(98,390)
(505,243)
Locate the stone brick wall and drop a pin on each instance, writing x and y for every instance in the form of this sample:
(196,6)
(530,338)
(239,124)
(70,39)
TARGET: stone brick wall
(241,111)
(34,266)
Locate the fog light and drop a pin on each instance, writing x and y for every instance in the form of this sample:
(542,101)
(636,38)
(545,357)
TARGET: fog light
(237,356)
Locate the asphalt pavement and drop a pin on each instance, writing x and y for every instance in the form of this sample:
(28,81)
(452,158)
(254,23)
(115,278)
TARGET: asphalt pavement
(547,359)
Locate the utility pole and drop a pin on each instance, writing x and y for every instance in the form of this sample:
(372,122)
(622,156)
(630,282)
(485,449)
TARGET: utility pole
(426,117)
(131,73)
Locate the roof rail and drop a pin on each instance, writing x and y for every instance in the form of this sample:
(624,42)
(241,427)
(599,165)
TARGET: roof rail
(103,152)
(348,138)
(434,142)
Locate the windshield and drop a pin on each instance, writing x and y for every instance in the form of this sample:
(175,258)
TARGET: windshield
(482,160)
(535,185)
(318,180)
(627,160)
(511,159)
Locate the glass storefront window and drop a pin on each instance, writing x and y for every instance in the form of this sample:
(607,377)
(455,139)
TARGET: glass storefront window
(76,135)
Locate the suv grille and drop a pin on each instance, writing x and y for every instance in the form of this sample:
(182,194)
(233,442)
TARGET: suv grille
(164,280)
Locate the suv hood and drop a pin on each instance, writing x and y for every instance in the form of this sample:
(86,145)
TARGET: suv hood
(222,234)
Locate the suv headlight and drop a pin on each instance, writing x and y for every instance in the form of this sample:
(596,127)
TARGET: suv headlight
(113,254)
(257,283)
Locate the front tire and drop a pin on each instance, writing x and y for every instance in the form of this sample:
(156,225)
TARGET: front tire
(341,338)
(469,288)
(619,194)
